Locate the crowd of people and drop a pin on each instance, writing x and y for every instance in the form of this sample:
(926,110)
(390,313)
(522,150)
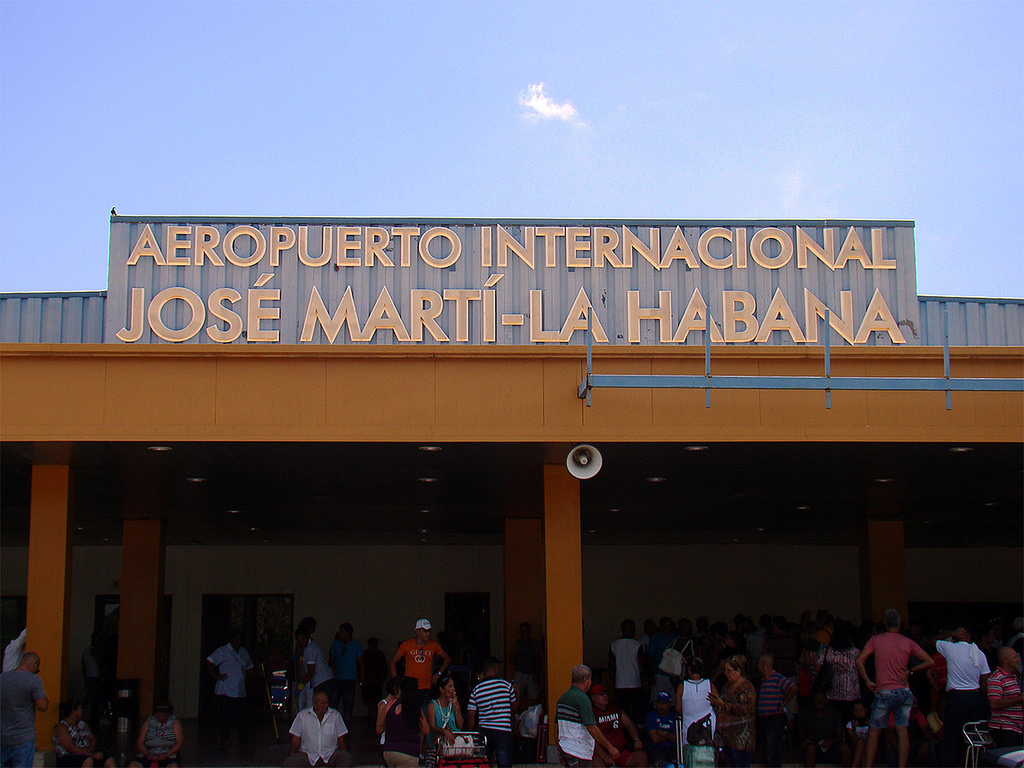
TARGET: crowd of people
(819,691)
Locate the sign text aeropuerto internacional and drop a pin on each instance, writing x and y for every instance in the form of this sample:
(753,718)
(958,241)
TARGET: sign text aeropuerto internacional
(501,282)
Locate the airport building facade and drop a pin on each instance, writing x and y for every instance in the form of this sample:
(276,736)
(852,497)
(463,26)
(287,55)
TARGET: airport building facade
(369,421)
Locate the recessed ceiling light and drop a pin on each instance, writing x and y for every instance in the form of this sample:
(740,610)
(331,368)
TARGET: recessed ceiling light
(592,530)
(425,511)
(803,507)
(762,529)
(883,479)
(695,448)
(614,509)
(195,479)
(427,479)
(423,530)
(431,448)
(159,448)
(79,527)
(735,541)
(233,511)
(961,449)
(991,503)
(656,479)
(253,528)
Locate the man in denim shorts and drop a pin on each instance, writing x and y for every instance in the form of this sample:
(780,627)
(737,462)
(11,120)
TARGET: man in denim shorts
(892,652)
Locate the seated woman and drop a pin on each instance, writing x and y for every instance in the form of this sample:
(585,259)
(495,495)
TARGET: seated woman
(160,739)
(444,715)
(401,723)
(74,742)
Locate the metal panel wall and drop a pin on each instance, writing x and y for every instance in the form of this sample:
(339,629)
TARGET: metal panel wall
(973,322)
(52,318)
(518,317)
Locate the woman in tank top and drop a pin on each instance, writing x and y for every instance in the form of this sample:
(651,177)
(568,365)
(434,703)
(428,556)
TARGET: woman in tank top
(692,696)
(401,724)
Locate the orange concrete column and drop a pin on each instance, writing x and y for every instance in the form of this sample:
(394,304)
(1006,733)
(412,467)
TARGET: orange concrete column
(140,619)
(524,579)
(883,555)
(49,587)
(563,582)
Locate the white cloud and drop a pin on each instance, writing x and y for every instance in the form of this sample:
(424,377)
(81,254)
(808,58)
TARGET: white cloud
(540,105)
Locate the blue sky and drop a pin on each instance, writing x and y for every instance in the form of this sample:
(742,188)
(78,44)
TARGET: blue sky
(730,110)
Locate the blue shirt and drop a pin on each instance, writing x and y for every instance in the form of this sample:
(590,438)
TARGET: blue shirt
(346,659)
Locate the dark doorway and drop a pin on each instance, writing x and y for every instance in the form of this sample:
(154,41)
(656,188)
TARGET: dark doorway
(467,635)
(265,622)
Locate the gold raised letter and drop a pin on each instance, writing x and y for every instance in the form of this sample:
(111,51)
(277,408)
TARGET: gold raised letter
(779,317)
(217,309)
(576,319)
(207,238)
(281,239)
(172,245)
(878,260)
(453,242)
(316,312)
(377,239)
(695,318)
(146,245)
(228,246)
(385,315)
(853,248)
(425,307)
(537,332)
(345,245)
(878,317)
(133,331)
(508,243)
(738,307)
(662,313)
(606,241)
(631,242)
(757,247)
(327,235)
(574,244)
(191,298)
(842,321)
(704,251)
(678,248)
(805,243)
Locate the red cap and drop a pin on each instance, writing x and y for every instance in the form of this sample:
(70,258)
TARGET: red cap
(597,689)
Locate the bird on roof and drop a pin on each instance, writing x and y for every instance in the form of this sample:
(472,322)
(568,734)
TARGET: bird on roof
(113,211)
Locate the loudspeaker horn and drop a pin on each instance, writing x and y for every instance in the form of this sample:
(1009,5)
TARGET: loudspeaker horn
(584,461)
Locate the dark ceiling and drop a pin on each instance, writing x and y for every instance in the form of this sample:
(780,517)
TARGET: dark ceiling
(344,493)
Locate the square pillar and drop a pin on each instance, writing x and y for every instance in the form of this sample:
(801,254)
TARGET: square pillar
(141,612)
(882,554)
(48,610)
(563,561)
(524,581)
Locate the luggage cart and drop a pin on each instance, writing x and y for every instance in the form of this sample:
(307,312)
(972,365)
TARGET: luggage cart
(468,751)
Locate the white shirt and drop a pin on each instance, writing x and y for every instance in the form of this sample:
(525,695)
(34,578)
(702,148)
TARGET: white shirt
(312,654)
(965,664)
(627,665)
(234,664)
(318,738)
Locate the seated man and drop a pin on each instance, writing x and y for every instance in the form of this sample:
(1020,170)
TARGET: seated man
(318,736)
(615,724)
(661,730)
(821,732)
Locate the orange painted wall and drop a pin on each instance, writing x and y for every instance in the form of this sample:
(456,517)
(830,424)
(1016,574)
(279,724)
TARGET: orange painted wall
(480,394)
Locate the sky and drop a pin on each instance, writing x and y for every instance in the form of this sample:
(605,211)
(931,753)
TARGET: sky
(585,110)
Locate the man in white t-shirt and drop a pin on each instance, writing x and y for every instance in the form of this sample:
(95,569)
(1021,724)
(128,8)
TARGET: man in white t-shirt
(229,665)
(318,737)
(966,673)
(624,657)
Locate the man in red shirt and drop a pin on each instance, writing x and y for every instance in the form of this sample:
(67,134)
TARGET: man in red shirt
(615,724)
(892,652)
(419,653)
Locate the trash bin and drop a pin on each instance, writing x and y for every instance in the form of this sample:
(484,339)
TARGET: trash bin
(126,706)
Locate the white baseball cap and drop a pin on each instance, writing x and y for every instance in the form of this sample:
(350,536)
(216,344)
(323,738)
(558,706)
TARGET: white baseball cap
(423,624)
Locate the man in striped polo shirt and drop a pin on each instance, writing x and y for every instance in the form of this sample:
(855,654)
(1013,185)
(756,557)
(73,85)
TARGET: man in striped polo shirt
(1004,697)
(577,727)
(776,692)
(489,711)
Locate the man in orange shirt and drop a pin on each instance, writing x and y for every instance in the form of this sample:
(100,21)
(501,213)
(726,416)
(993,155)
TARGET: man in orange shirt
(419,653)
